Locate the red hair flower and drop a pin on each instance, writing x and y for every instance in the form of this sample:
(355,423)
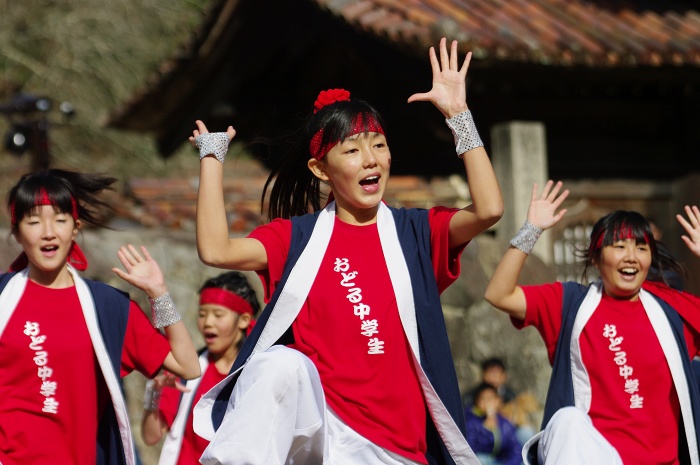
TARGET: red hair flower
(326,97)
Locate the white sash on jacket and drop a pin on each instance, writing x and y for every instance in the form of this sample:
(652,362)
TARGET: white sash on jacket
(172,445)
(293,296)
(8,303)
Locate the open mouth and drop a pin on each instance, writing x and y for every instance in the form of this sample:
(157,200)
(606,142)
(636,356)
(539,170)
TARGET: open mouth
(629,271)
(369,180)
(49,250)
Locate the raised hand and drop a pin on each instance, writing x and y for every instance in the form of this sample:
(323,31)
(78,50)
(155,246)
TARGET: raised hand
(142,272)
(449,93)
(692,227)
(202,129)
(542,211)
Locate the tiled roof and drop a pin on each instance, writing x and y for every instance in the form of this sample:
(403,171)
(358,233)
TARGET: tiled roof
(171,203)
(549,32)
(544,32)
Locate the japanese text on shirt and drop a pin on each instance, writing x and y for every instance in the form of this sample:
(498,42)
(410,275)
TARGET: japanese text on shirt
(631,385)
(41,359)
(368,328)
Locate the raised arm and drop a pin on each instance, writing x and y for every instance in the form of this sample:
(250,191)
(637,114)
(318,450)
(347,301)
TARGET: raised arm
(692,227)
(449,95)
(144,273)
(502,291)
(214,246)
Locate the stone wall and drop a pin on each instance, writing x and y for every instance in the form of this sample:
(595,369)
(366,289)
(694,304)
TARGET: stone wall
(476,330)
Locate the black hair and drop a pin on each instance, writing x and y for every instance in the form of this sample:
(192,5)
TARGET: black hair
(622,224)
(480,388)
(237,283)
(62,188)
(493,362)
(294,190)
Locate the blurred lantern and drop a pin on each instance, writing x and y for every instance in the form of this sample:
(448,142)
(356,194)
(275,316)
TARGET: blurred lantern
(29,126)
(17,139)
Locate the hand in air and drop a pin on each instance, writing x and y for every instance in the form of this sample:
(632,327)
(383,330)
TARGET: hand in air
(692,227)
(543,208)
(142,272)
(449,93)
(202,129)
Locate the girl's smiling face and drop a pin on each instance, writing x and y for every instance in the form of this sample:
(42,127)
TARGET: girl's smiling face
(46,236)
(623,267)
(357,170)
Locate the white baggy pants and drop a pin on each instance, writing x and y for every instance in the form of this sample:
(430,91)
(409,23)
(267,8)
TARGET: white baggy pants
(571,439)
(277,415)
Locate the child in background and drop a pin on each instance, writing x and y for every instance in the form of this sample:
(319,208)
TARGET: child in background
(227,305)
(491,435)
(493,372)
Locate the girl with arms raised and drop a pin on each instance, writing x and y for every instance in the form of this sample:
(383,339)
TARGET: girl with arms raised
(349,362)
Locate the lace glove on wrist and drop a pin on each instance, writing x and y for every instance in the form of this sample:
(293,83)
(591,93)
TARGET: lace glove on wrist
(212,143)
(163,311)
(465,133)
(526,238)
(151,397)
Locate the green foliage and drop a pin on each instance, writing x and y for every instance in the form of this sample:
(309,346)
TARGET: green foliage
(95,55)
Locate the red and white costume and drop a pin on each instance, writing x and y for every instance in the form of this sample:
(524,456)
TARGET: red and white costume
(359,347)
(182,446)
(624,373)
(57,375)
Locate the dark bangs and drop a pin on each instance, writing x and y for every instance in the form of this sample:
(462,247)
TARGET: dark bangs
(621,225)
(338,121)
(26,194)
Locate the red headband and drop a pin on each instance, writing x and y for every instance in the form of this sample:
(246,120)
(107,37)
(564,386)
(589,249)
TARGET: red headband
(42,198)
(328,97)
(224,298)
(75,257)
(624,232)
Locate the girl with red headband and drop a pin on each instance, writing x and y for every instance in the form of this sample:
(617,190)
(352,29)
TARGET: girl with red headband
(227,305)
(622,387)
(66,341)
(349,362)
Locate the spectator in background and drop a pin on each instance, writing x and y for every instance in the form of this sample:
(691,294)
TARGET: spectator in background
(491,436)
(493,372)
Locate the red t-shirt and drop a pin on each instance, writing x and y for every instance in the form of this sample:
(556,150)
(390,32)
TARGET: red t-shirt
(192,445)
(633,399)
(349,327)
(52,394)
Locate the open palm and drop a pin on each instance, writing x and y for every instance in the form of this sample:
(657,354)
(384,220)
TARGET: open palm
(692,228)
(142,272)
(449,92)
(543,208)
